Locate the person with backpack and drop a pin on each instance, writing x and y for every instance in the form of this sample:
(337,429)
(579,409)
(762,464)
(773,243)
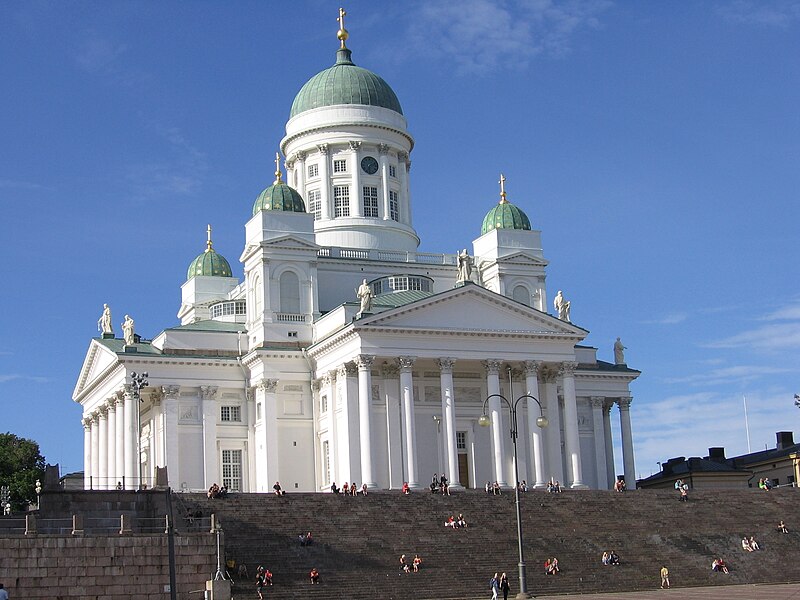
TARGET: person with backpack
(494,585)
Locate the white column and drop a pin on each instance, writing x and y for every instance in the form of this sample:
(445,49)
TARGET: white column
(611,471)
(348,443)
(409,419)
(208,395)
(87,452)
(95,451)
(252,449)
(157,444)
(131,436)
(268,390)
(553,433)
(119,439)
(111,443)
(404,168)
(629,468)
(102,418)
(571,424)
(449,416)
(171,437)
(599,441)
(383,152)
(364,363)
(357,209)
(536,444)
(325,182)
(496,418)
(392,399)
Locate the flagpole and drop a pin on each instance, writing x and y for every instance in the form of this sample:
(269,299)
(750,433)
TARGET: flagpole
(746,426)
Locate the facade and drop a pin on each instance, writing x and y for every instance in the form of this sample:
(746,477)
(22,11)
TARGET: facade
(345,353)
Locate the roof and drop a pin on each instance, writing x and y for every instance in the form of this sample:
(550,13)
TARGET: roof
(693,466)
(209,264)
(345,83)
(117,345)
(210,325)
(505,216)
(279,196)
(396,299)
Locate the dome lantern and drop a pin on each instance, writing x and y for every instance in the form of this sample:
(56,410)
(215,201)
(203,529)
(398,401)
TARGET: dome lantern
(210,263)
(505,215)
(279,196)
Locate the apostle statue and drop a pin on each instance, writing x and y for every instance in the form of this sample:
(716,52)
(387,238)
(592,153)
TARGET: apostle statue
(619,353)
(562,307)
(104,324)
(365,295)
(464,267)
(127,330)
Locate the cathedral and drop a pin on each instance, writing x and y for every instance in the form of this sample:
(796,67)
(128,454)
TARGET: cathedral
(346,354)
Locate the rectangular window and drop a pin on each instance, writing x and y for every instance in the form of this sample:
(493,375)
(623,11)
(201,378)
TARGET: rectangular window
(323,404)
(313,170)
(370,201)
(315,203)
(340,165)
(232,470)
(326,463)
(461,440)
(394,206)
(341,201)
(231,413)
(392,171)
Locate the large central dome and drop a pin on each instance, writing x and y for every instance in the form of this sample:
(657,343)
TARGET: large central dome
(345,83)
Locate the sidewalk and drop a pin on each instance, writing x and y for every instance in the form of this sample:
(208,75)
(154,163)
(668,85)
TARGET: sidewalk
(781,591)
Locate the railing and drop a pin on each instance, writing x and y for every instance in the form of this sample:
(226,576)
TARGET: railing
(125,524)
(427,258)
(290,318)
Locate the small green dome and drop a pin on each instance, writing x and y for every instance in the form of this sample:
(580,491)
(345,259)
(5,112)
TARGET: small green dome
(505,216)
(279,196)
(345,83)
(209,264)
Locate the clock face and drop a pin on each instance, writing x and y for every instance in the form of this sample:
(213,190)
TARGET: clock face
(370,165)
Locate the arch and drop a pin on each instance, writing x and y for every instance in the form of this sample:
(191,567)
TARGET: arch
(289,285)
(258,298)
(521,294)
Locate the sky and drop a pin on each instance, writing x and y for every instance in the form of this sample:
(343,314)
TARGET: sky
(656,145)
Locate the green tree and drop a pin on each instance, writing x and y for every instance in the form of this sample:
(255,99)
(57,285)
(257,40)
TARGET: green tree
(21,465)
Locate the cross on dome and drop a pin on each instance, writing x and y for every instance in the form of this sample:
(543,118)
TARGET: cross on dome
(278,173)
(342,34)
(208,240)
(502,183)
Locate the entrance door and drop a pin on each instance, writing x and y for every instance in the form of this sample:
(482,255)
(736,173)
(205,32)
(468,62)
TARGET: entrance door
(463,458)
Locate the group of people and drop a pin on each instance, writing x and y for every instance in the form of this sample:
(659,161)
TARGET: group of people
(765,484)
(610,558)
(216,491)
(683,490)
(459,523)
(279,491)
(499,584)
(554,487)
(619,485)
(263,579)
(440,484)
(415,565)
(750,545)
(305,539)
(349,489)
(551,566)
(492,488)
(719,565)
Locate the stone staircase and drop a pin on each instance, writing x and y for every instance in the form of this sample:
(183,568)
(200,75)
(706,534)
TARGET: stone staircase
(358,540)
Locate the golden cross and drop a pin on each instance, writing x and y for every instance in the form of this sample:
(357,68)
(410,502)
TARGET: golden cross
(502,183)
(208,242)
(277,167)
(342,33)
(342,13)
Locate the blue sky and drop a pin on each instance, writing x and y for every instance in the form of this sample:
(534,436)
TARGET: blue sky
(655,145)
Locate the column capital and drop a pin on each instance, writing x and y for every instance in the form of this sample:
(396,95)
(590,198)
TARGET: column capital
(316,384)
(598,401)
(548,374)
(347,369)
(402,156)
(383,149)
(329,378)
(170,391)
(300,155)
(492,366)
(390,370)
(111,402)
(208,392)
(250,393)
(532,367)
(102,411)
(567,369)
(267,385)
(323,149)
(446,364)
(406,363)
(624,402)
(95,416)
(87,423)
(364,362)
(289,163)
(156,396)
(354,145)
(128,391)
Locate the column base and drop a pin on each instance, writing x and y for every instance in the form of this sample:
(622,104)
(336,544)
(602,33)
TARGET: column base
(579,486)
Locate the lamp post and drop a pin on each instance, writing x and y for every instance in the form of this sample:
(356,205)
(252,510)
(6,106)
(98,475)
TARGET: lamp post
(138,382)
(541,422)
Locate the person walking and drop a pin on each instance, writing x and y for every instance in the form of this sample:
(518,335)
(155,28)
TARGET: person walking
(494,584)
(504,586)
(3,593)
(664,577)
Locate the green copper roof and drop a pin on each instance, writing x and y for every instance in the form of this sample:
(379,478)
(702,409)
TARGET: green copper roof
(345,83)
(209,263)
(279,196)
(505,216)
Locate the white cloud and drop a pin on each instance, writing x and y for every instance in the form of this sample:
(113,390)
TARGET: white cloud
(22,185)
(668,319)
(786,313)
(765,14)
(737,375)
(768,338)
(13,377)
(96,54)
(482,35)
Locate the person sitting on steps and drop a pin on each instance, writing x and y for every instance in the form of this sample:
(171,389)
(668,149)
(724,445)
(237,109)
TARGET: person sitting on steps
(782,527)
(405,489)
(314,575)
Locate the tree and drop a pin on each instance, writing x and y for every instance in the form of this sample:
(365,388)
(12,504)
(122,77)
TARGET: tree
(21,465)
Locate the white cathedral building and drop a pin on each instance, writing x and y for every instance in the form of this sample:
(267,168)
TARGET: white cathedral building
(347,355)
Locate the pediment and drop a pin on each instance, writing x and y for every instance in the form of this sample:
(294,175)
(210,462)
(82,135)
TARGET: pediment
(519,258)
(98,361)
(289,242)
(472,308)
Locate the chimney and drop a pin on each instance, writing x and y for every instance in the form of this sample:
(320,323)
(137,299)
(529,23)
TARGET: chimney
(785,439)
(716,455)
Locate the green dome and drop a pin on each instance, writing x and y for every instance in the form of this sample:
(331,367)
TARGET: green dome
(505,216)
(279,196)
(345,83)
(209,264)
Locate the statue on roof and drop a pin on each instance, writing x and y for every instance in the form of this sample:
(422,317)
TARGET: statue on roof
(365,295)
(562,307)
(464,267)
(619,353)
(104,324)
(128,330)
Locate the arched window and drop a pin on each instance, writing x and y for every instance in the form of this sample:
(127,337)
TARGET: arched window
(290,292)
(521,294)
(258,296)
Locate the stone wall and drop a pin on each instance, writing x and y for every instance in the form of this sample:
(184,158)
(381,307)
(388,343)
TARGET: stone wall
(99,567)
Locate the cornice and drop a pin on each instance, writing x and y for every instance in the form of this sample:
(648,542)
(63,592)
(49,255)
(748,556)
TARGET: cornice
(338,126)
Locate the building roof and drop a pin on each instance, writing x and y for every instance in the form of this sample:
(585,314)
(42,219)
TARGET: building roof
(692,466)
(279,196)
(345,83)
(210,325)
(505,216)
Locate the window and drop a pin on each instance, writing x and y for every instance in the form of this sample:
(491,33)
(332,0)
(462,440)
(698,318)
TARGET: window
(313,170)
(341,201)
(340,166)
(521,294)
(230,413)
(461,440)
(224,309)
(323,404)
(326,463)
(290,292)
(394,206)
(370,201)
(392,171)
(315,204)
(232,470)
(258,411)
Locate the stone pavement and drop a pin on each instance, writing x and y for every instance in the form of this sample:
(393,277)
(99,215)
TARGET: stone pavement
(786,591)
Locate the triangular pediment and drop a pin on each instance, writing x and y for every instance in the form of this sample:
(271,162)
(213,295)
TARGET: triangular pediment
(289,242)
(472,308)
(97,363)
(519,258)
